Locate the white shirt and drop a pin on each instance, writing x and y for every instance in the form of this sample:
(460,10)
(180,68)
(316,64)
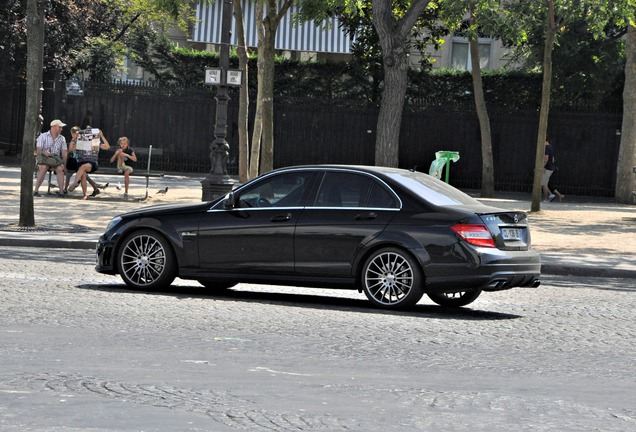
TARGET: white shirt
(48,144)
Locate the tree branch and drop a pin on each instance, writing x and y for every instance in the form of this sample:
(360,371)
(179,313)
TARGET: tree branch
(126,27)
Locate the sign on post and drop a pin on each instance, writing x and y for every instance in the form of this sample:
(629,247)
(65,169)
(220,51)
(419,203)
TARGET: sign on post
(234,77)
(214,76)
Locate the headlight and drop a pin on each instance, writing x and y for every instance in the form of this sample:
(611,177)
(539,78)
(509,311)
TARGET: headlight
(113,223)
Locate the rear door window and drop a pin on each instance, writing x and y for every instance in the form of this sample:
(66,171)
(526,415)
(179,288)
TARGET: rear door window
(352,190)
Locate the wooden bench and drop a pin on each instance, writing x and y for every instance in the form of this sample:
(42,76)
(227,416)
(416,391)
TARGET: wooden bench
(136,172)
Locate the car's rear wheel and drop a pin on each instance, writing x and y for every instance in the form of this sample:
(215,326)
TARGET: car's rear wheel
(392,279)
(216,285)
(457,299)
(146,261)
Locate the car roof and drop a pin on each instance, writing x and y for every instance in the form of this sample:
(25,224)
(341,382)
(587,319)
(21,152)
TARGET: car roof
(361,168)
(397,177)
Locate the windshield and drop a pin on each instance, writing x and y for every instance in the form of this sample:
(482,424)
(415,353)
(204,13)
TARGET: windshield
(431,189)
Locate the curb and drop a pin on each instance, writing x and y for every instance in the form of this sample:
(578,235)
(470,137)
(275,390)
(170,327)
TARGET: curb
(587,271)
(61,244)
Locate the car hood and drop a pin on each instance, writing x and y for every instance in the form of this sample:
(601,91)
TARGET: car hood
(160,209)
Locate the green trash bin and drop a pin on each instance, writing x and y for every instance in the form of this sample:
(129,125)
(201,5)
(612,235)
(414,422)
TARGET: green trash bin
(443,159)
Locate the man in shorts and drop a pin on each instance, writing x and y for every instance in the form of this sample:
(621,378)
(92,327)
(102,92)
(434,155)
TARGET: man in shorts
(51,152)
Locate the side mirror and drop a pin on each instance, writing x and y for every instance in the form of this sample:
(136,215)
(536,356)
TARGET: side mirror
(228,201)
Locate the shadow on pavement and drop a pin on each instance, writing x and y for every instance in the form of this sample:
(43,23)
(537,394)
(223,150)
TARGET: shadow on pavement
(310,301)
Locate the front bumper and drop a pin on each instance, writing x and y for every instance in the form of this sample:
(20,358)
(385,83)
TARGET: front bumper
(105,256)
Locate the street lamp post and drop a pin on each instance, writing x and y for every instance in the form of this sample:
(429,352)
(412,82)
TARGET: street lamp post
(218,182)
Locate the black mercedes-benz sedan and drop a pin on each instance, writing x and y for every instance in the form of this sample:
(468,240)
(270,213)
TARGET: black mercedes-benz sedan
(394,234)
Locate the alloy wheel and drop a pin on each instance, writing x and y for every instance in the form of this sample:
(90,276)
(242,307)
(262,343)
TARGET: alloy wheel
(145,261)
(392,279)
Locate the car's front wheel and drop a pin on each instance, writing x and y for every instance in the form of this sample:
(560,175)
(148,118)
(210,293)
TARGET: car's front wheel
(392,279)
(146,261)
(457,299)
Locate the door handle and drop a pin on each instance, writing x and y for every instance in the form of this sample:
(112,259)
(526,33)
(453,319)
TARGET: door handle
(366,216)
(281,218)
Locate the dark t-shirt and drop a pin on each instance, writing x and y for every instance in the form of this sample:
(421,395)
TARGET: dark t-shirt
(550,152)
(129,162)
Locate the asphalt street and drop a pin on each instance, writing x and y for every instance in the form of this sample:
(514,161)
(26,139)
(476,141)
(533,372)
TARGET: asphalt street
(82,352)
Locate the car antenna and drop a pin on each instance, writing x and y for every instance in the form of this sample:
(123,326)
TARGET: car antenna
(413,169)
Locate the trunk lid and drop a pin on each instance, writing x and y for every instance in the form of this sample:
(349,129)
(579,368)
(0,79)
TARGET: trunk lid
(510,229)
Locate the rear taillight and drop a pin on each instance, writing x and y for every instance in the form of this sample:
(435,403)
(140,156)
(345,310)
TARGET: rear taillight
(475,234)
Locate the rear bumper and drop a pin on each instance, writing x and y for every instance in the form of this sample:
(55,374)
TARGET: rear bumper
(493,270)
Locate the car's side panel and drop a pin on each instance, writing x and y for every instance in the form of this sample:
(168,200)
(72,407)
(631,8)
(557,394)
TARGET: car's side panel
(327,240)
(248,240)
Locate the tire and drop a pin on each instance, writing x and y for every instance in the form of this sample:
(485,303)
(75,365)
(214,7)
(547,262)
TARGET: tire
(455,299)
(146,261)
(392,279)
(217,285)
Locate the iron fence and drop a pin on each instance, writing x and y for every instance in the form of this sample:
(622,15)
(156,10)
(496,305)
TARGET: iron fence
(181,122)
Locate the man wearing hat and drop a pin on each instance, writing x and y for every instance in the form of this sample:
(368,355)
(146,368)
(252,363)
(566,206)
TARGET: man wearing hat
(51,153)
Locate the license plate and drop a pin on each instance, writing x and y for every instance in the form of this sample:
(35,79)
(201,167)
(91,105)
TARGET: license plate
(511,233)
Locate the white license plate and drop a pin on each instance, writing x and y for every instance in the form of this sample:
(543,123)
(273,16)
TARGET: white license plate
(511,233)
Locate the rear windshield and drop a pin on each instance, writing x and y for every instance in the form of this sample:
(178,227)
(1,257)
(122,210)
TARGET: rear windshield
(431,189)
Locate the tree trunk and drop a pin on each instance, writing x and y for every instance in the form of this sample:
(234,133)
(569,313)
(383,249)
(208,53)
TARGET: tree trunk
(266,81)
(244,97)
(487,169)
(627,152)
(255,156)
(257,133)
(395,63)
(33,109)
(262,159)
(550,35)
(393,34)
(387,146)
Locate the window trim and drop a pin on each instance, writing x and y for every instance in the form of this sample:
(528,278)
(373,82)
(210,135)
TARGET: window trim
(320,172)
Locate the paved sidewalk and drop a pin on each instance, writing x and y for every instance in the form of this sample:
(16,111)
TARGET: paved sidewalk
(581,236)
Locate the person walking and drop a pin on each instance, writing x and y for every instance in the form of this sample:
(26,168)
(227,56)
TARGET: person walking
(549,167)
(51,153)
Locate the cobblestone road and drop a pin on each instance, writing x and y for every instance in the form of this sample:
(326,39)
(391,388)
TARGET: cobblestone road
(81,351)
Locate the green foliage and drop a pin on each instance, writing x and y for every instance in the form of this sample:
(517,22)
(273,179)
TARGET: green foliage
(587,59)
(87,37)
(12,40)
(349,83)
(503,90)
(69,25)
(92,38)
